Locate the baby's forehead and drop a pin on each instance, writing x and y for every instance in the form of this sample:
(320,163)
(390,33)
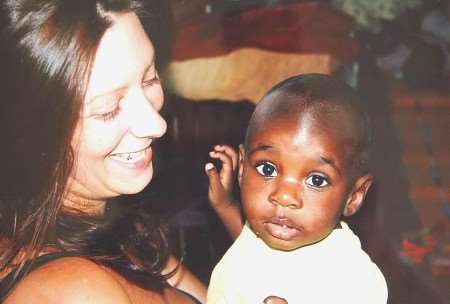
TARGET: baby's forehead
(330,118)
(282,105)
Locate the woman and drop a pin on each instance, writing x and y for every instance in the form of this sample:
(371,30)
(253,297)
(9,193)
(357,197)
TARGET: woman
(80,100)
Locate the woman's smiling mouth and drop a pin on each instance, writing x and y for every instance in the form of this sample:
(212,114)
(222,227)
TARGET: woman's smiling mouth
(134,160)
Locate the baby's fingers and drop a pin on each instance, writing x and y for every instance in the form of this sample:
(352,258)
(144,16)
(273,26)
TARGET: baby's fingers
(225,158)
(229,157)
(215,191)
(213,176)
(230,152)
(227,172)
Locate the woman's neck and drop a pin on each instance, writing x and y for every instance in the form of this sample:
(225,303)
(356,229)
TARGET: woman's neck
(75,201)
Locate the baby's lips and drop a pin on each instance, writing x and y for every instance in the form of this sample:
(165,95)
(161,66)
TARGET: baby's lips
(282,231)
(283,221)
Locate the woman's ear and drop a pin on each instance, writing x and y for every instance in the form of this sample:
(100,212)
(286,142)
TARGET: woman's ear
(241,162)
(357,194)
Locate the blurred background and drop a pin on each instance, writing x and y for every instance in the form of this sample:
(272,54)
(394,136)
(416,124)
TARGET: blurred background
(218,57)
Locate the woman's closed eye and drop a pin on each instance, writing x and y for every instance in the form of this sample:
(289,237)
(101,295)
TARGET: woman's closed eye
(107,116)
(267,169)
(151,81)
(152,90)
(317,181)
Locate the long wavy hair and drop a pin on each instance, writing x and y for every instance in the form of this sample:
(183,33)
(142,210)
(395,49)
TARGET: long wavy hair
(46,53)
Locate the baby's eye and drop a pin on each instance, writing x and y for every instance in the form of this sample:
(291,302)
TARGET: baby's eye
(318,181)
(267,169)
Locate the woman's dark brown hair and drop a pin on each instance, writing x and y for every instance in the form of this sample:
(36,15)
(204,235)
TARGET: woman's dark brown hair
(46,53)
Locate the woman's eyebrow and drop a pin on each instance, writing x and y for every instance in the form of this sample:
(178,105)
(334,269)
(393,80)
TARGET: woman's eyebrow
(149,66)
(106,94)
(119,89)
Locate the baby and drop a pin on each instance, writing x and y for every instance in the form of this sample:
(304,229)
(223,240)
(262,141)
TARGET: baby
(303,166)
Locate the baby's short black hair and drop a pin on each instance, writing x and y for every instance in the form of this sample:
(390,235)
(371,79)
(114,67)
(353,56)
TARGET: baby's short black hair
(323,96)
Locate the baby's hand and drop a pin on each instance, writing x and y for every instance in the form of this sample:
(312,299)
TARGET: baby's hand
(220,191)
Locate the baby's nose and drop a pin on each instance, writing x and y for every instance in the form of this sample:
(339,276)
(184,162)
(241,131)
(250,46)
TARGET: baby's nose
(286,194)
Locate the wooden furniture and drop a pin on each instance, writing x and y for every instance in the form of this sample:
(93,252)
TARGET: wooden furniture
(241,56)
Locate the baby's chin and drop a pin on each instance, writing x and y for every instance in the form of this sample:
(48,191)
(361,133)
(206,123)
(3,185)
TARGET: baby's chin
(283,247)
(279,244)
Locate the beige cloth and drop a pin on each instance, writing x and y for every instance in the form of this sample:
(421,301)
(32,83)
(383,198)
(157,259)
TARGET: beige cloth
(244,74)
(335,270)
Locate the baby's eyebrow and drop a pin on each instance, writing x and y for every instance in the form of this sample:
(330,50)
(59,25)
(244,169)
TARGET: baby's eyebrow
(330,162)
(260,148)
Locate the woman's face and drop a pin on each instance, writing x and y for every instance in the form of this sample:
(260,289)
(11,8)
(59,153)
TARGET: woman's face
(120,118)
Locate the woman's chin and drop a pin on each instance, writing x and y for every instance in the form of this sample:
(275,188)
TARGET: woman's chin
(136,185)
(131,184)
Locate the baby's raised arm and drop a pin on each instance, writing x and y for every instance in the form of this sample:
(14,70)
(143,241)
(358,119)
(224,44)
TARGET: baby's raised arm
(220,192)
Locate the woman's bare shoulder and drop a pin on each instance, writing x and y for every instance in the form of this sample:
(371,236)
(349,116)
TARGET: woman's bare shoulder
(69,280)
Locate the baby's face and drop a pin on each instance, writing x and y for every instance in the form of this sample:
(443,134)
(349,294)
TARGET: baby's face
(295,180)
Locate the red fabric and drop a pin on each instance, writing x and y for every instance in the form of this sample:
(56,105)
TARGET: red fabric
(309,27)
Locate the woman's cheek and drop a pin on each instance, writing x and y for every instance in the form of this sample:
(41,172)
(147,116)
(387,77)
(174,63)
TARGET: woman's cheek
(100,138)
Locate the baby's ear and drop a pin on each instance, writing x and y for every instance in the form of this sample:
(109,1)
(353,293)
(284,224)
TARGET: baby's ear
(241,162)
(357,194)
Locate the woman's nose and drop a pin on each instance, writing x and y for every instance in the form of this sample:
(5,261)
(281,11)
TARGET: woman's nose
(142,116)
(286,194)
